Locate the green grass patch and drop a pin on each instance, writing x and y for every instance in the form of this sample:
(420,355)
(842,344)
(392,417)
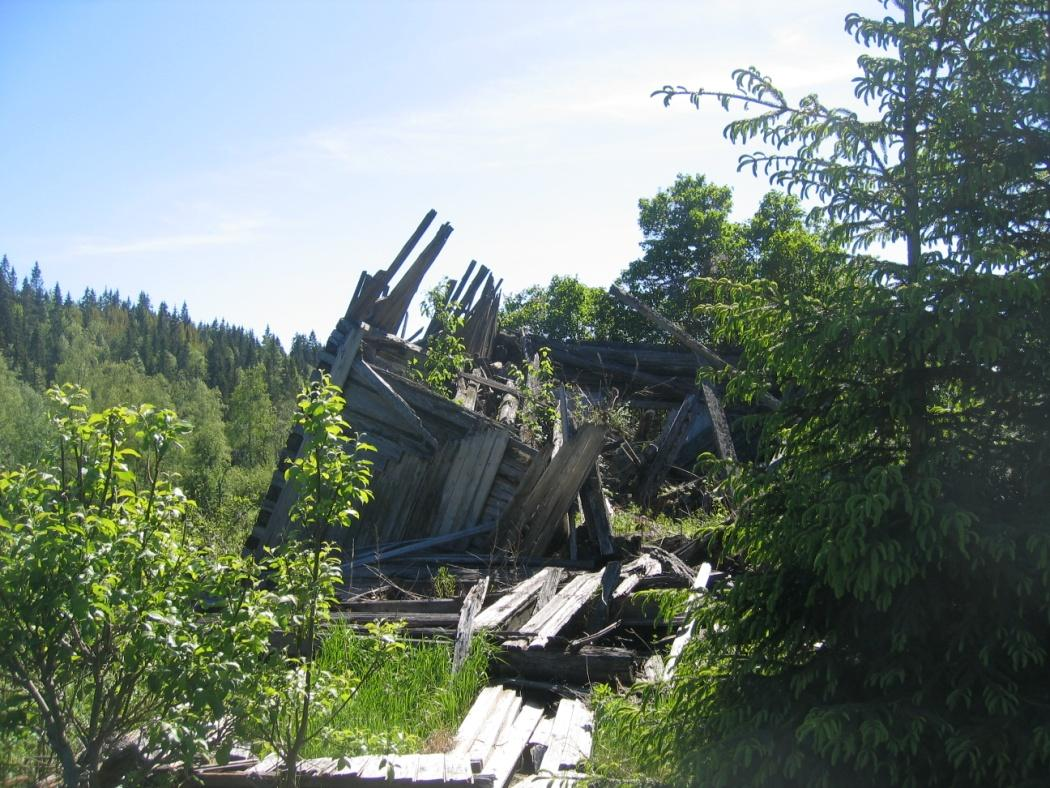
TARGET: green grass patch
(625,750)
(407,702)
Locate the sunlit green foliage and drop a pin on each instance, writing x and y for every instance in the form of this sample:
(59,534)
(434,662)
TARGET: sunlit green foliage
(103,588)
(405,701)
(445,355)
(331,478)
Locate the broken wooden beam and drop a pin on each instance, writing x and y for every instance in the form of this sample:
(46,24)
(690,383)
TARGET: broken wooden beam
(501,613)
(766,399)
(467,621)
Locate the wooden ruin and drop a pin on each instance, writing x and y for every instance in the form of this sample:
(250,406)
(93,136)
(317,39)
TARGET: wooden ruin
(525,527)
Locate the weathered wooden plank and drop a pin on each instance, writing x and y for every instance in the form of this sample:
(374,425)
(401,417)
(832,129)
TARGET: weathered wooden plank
(723,437)
(393,401)
(475,719)
(498,614)
(389,311)
(503,713)
(373,287)
(465,629)
(490,464)
(549,588)
(536,519)
(550,619)
(571,737)
(508,533)
(508,748)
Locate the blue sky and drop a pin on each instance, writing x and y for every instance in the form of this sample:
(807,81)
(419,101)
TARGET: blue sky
(250,158)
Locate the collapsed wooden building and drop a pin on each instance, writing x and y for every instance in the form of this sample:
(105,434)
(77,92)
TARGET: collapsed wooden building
(463,485)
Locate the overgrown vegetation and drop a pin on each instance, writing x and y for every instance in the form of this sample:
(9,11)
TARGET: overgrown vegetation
(445,355)
(117,650)
(406,701)
(891,626)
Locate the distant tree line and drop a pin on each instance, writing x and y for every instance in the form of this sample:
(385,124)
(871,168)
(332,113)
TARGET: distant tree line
(237,389)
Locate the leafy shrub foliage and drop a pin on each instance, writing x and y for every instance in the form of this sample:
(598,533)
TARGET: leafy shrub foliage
(117,627)
(892,626)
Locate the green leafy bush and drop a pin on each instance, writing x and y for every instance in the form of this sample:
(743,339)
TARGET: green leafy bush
(117,627)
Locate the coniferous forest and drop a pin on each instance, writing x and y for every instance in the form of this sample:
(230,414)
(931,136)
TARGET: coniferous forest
(237,389)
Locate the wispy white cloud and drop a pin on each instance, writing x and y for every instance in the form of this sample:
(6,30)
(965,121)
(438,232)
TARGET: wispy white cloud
(223,234)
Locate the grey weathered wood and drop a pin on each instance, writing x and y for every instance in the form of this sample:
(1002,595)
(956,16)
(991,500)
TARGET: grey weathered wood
(374,287)
(766,399)
(589,665)
(599,614)
(389,311)
(509,531)
(586,640)
(479,712)
(550,587)
(519,598)
(513,739)
(503,715)
(661,455)
(723,437)
(508,409)
(394,402)
(465,630)
(559,486)
(571,737)
(549,620)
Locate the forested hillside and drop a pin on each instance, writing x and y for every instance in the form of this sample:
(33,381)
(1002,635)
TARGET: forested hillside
(237,389)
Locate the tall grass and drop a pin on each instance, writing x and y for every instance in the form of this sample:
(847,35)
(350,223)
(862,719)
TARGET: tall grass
(407,702)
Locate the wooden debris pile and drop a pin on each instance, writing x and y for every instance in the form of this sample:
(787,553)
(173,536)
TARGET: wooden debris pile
(464,488)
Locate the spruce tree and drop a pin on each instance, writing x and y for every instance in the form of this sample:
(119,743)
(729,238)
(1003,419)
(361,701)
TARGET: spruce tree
(891,622)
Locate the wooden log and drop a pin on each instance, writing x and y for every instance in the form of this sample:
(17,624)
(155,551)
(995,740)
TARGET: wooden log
(589,665)
(465,629)
(766,399)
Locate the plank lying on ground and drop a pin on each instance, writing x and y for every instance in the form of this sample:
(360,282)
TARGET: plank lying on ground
(571,737)
(436,769)
(484,723)
(503,760)
(498,614)
(550,619)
